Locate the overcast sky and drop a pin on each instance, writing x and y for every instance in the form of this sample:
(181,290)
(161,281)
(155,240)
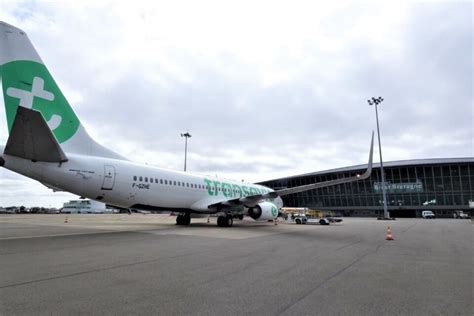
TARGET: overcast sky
(266,88)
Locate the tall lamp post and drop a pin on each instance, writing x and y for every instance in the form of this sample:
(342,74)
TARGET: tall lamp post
(186,136)
(375,102)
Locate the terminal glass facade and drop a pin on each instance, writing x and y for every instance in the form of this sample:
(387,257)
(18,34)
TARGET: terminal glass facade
(439,185)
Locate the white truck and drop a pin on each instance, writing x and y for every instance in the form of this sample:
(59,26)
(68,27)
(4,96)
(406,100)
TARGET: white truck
(428,214)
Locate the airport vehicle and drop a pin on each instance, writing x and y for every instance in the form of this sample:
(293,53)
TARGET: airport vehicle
(428,214)
(48,143)
(303,215)
(305,219)
(288,211)
(460,215)
(332,219)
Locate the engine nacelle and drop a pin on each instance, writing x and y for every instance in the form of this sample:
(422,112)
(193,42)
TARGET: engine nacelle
(264,211)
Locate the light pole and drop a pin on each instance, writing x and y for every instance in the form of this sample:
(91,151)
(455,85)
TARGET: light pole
(375,102)
(186,136)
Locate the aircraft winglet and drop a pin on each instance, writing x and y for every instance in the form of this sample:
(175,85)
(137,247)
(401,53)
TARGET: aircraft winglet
(31,138)
(323,184)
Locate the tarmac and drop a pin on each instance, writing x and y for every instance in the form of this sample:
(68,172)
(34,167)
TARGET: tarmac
(138,264)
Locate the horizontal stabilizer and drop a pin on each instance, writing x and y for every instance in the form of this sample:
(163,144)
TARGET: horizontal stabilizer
(31,138)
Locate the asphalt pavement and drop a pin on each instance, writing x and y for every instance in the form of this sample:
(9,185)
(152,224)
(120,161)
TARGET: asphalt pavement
(144,264)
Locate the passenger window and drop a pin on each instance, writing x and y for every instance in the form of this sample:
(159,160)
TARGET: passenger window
(187,184)
(146,179)
(141,179)
(161,181)
(166,181)
(134,178)
(174,182)
(179,184)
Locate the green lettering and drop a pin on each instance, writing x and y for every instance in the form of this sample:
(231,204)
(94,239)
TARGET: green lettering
(208,186)
(253,191)
(216,186)
(235,187)
(246,190)
(226,189)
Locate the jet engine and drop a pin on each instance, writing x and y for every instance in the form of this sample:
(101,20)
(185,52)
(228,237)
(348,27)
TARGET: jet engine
(263,211)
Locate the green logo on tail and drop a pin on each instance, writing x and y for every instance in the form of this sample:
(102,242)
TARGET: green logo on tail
(29,84)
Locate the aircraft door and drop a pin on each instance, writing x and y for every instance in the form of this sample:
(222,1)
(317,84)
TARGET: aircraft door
(109,178)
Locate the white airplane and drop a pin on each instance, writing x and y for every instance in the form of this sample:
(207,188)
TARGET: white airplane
(48,143)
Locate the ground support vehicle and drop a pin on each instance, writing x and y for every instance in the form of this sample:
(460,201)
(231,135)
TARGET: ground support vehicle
(428,215)
(460,215)
(303,219)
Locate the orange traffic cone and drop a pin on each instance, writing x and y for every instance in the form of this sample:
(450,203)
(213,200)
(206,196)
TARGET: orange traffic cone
(66,220)
(389,234)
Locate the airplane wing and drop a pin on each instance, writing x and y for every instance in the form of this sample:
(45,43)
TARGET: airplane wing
(253,200)
(248,201)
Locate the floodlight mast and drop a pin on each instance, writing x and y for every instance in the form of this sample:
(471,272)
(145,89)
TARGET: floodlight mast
(186,136)
(375,102)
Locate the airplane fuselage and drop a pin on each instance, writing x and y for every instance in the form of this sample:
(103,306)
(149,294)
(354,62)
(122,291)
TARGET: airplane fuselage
(130,185)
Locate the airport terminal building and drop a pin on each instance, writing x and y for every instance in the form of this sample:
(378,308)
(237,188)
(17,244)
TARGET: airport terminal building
(439,185)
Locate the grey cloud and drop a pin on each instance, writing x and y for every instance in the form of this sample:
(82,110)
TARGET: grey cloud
(316,117)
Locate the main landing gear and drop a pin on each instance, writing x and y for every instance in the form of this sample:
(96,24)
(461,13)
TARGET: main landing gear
(225,221)
(183,219)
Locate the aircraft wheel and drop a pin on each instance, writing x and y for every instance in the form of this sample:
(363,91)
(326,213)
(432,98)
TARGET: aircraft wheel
(229,221)
(220,221)
(183,219)
(225,221)
(186,219)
